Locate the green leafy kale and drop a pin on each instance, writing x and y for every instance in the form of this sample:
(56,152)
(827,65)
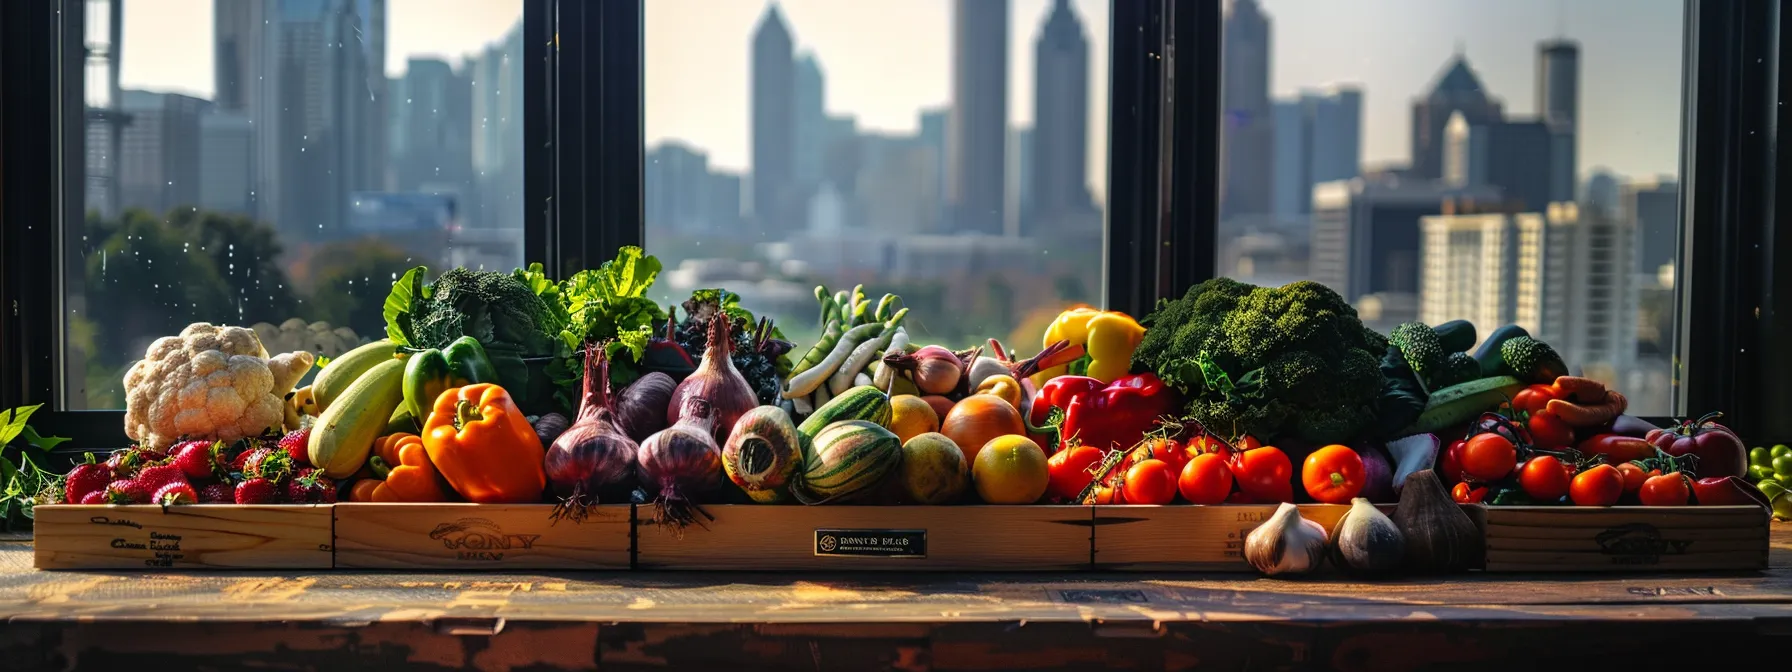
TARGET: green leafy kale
(609,305)
(1270,361)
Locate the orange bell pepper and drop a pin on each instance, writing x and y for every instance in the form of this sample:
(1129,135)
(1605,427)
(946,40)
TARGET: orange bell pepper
(362,491)
(409,475)
(480,442)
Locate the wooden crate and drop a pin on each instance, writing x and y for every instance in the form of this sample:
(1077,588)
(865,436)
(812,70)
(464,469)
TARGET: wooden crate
(1626,538)
(1195,538)
(480,536)
(857,538)
(295,536)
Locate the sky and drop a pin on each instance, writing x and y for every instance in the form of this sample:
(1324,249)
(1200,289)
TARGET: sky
(885,60)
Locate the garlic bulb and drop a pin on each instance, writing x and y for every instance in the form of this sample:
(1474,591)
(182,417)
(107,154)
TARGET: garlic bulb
(1286,543)
(1366,540)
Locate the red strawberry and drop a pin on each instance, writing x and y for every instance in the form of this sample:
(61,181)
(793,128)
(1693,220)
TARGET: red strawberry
(197,459)
(127,491)
(217,493)
(296,444)
(311,486)
(256,491)
(85,479)
(95,497)
(269,463)
(175,493)
(157,475)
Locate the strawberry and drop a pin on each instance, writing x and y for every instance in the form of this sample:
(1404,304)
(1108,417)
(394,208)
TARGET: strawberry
(85,479)
(179,492)
(217,493)
(127,491)
(269,463)
(256,491)
(197,459)
(95,497)
(296,444)
(155,476)
(125,462)
(311,486)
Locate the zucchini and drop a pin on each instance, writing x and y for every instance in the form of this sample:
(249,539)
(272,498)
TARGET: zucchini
(342,372)
(344,434)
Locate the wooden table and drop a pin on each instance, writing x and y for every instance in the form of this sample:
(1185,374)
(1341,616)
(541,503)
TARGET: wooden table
(641,620)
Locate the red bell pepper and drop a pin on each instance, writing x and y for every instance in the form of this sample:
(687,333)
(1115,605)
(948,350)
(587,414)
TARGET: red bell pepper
(1107,417)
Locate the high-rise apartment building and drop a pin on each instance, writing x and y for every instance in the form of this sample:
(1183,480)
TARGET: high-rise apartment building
(496,82)
(159,151)
(226,142)
(1510,154)
(1652,209)
(977,134)
(431,129)
(1318,138)
(1247,136)
(1365,237)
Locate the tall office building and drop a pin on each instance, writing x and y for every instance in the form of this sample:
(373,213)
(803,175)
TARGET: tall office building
(1601,192)
(1365,237)
(158,153)
(226,141)
(1057,187)
(676,186)
(1456,90)
(1318,138)
(431,129)
(243,83)
(1562,274)
(1652,209)
(811,121)
(774,126)
(977,134)
(1510,154)
(1558,105)
(496,82)
(1247,134)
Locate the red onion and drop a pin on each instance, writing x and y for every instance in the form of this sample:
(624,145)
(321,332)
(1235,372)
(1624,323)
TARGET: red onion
(641,407)
(683,462)
(593,459)
(717,382)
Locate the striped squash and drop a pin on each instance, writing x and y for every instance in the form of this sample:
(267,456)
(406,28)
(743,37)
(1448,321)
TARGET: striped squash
(860,403)
(848,458)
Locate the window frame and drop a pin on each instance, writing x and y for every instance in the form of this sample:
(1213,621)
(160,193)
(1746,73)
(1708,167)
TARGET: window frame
(583,180)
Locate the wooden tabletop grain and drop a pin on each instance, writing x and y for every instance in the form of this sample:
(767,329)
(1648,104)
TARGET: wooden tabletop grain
(648,620)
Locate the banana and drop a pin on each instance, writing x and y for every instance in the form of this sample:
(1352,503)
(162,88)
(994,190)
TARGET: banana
(1460,404)
(334,379)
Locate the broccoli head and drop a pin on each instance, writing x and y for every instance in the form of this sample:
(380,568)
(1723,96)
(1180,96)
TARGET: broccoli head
(495,308)
(1270,361)
(1423,351)
(1532,360)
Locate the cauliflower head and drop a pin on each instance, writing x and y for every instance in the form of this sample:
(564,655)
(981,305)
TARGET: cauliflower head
(210,382)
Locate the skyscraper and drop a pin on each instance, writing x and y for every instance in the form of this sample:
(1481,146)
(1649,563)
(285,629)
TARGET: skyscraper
(1365,236)
(431,138)
(497,117)
(1652,209)
(226,140)
(1318,138)
(1248,133)
(1457,89)
(1558,105)
(1514,155)
(977,134)
(811,120)
(774,126)
(1058,171)
(158,154)
(329,119)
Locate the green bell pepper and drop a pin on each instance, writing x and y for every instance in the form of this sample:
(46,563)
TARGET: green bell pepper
(467,359)
(426,376)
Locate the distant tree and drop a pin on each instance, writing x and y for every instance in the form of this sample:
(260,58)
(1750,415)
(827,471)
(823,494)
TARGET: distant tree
(144,281)
(247,255)
(352,278)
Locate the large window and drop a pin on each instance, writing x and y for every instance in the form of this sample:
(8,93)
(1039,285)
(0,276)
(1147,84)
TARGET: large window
(1490,161)
(277,163)
(950,152)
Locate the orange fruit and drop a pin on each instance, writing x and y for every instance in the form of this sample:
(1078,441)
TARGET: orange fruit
(979,418)
(1010,469)
(911,417)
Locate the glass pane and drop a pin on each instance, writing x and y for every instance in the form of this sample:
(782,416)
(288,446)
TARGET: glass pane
(1433,160)
(276,163)
(951,153)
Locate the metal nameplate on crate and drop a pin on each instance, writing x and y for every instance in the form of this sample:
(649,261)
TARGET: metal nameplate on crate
(871,543)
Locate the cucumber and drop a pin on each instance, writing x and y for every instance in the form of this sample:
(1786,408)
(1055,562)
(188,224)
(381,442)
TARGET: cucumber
(1455,335)
(1460,404)
(344,434)
(343,371)
(859,403)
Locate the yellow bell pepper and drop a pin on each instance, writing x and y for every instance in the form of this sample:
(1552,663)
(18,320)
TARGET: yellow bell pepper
(1002,386)
(1109,336)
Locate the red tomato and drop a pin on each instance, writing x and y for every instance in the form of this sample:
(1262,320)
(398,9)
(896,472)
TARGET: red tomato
(1544,478)
(1265,475)
(1107,494)
(1071,470)
(1489,457)
(1451,461)
(1206,480)
(1149,482)
(1599,486)
(1172,453)
(1534,399)
(1246,442)
(1208,443)
(1633,477)
(1665,490)
(1463,493)
(1333,474)
(1549,432)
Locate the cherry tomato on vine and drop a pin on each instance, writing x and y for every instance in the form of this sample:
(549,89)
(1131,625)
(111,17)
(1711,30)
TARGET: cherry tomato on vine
(1206,480)
(1489,457)
(1634,476)
(1071,470)
(1601,485)
(1549,432)
(1544,478)
(1265,475)
(1669,489)
(1534,399)
(1172,453)
(1451,462)
(1149,482)
(1464,493)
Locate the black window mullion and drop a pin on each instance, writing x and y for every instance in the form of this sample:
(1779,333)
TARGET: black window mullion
(1191,225)
(1135,139)
(598,136)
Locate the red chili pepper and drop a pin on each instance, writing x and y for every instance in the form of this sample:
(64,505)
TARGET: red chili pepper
(1110,416)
